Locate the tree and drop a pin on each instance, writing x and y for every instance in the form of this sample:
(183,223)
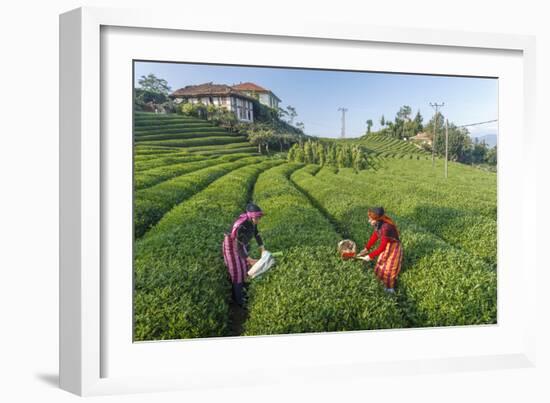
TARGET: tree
(308,152)
(459,141)
(359,158)
(382,121)
(301,126)
(291,156)
(404,113)
(491,156)
(291,112)
(154,84)
(321,154)
(299,155)
(151,90)
(479,152)
(418,127)
(369,125)
(261,136)
(429,127)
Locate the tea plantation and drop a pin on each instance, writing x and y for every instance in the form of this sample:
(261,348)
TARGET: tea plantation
(192,179)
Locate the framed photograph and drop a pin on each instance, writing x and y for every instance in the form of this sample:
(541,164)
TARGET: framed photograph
(291,199)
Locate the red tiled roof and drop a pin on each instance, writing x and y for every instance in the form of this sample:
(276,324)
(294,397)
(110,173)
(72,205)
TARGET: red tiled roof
(248,86)
(208,89)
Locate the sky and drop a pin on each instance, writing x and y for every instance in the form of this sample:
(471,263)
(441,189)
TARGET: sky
(317,94)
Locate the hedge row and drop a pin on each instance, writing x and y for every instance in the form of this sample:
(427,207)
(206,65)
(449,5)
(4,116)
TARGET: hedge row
(142,135)
(182,136)
(440,285)
(200,141)
(171,125)
(162,159)
(181,285)
(150,177)
(152,203)
(310,289)
(433,210)
(148,151)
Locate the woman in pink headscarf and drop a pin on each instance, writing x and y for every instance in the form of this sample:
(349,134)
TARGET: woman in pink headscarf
(236,245)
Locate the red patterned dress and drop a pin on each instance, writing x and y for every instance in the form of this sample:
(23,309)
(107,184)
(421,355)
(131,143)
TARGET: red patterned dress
(389,252)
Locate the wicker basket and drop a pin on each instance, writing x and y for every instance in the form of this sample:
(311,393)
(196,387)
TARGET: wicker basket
(347,249)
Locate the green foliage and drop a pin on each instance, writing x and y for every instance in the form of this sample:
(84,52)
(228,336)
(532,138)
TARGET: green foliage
(152,203)
(340,155)
(152,90)
(150,177)
(187,200)
(197,141)
(346,201)
(310,289)
(181,285)
(198,110)
(152,83)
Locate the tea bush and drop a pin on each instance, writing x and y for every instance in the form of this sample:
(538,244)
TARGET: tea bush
(181,286)
(348,206)
(310,289)
(150,177)
(152,203)
(198,141)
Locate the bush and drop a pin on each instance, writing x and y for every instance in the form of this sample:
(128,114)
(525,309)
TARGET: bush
(181,286)
(310,289)
(152,203)
(454,271)
(197,141)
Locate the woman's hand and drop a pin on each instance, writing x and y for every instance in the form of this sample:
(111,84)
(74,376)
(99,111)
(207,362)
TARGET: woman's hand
(251,261)
(363,252)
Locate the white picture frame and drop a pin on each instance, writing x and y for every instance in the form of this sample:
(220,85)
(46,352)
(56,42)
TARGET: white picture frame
(84,183)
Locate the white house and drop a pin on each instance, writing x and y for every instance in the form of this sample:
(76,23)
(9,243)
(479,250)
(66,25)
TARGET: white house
(263,95)
(220,95)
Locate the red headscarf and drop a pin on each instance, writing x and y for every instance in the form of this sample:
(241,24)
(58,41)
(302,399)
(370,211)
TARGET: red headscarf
(378,214)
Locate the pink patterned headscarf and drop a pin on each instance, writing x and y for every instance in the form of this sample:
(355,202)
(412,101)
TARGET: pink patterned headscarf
(242,218)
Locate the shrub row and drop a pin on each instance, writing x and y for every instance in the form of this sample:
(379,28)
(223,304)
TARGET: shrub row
(310,289)
(152,203)
(150,177)
(181,285)
(471,231)
(181,136)
(160,119)
(162,159)
(142,135)
(165,125)
(440,285)
(202,141)
(222,151)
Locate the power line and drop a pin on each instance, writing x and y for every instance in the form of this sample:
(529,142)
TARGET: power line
(479,123)
(344,110)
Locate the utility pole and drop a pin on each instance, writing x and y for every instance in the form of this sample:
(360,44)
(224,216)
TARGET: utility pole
(446,148)
(344,110)
(436,106)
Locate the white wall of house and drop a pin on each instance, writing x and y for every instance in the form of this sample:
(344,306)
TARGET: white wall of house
(243,108)
(269,100)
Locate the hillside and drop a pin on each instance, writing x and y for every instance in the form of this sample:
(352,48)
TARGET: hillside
(192,180)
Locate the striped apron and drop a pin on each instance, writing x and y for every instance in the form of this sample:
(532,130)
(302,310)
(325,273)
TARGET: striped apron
(389,262)
(236,265)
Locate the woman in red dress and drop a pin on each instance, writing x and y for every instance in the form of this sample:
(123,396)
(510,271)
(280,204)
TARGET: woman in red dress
(389,252)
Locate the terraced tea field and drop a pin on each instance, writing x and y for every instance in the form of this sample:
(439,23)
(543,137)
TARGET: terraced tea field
(193,179)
